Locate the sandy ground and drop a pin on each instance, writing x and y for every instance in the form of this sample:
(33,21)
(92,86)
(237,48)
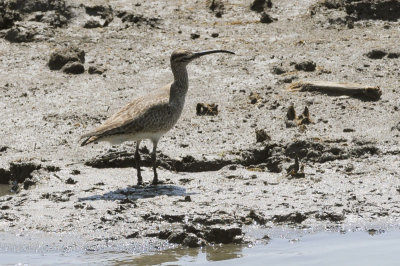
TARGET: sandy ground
(217,179)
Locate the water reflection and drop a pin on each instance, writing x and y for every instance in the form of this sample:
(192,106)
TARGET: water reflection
(4,190)
(181,255)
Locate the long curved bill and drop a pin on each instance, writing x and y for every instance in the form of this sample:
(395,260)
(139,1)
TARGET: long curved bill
(198,54)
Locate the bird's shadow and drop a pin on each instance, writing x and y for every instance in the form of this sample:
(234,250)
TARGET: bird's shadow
(140,192)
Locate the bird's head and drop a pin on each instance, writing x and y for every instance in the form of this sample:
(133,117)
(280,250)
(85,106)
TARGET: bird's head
(183,57)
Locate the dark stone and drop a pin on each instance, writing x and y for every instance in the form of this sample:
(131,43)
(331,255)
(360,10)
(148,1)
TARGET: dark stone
(52,168)
(305,66)
(173,218)
(128,17)
(75,172)
(22,171)
(61,57)
(266,18)
(214,35)
(393,55)
(177,237)
(330,216)
(217,6)
(191,241)
(20,34)
(28,183)
(132,235)
(258,5)
(164,234)
(96,70)
(73,68)
(370,9)
(7,17)
(224,235)
(291,217)
(91,24)
(194,36)
(257,218)
(376,54)
(71,181)
(277,70)
(262,136)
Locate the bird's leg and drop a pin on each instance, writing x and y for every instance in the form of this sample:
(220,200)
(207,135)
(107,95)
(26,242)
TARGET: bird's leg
(154,159)
(137,159)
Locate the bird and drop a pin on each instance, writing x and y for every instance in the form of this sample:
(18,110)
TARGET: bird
(152,115)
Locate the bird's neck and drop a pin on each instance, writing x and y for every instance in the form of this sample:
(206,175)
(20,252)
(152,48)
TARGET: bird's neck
(180,85)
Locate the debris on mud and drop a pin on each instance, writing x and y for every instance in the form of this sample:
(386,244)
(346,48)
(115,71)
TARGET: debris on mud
(60,57)
(216,6)
(261,135)
(260,5)
(266,18)
(104,15)
(345,13)
(20,34)
(128,17)
(96,70)
(73,68)
(207,109)
(307,66)
(376,54)
(254,97)
(363,92)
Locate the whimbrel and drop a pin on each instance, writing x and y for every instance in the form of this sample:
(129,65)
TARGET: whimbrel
(150,116)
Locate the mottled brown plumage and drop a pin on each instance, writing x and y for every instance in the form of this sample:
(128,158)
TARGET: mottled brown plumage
(152,115)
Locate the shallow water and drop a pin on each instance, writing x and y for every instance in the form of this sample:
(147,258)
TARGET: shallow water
(4,190)
(326,248)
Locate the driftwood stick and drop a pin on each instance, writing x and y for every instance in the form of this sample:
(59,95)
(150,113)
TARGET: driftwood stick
(338,88)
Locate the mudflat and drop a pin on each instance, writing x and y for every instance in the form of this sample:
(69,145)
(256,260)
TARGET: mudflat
(248,152)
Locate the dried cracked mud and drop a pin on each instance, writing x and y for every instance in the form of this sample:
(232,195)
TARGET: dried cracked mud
(264,157)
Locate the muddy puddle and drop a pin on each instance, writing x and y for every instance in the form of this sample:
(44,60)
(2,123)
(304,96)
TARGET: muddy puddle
(374,247)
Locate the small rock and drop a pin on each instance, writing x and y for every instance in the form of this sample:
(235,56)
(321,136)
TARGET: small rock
(207,109)
(347,130)
(376,54)
(254,97)
(96,70)
(28,183)
(177,237)
(266,18)
(259,5)
(214,35)
(277,70)
(19,34)
(71,181)
(188,199)
(262,136)
(194,36)
(132,235)
(291,113)
(75,172)
(224,235)
(308,66)
(191,240)
(91,24)
(61,57)
(217,6)
(393,55)
(73,68)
